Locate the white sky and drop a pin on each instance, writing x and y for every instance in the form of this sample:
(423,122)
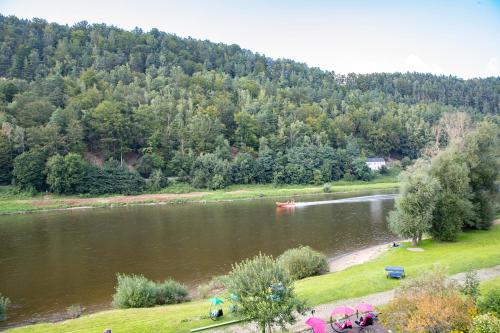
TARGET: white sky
(459,37)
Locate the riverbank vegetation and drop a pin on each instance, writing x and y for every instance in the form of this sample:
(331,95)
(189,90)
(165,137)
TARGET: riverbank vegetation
(431,303)
(263,292)
(453,188)
(303,262)
(14,201)
(136,291)
(98,110)
(474,250)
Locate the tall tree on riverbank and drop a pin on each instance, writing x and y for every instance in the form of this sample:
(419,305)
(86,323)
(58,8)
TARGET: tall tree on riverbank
(415,207)
(453,208)
(482,155)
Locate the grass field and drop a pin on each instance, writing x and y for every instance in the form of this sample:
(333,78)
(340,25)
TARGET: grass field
(474,250)
(14,202)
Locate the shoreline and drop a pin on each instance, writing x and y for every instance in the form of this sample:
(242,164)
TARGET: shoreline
(183,198)
(316,288)
(336,264)
(358,257)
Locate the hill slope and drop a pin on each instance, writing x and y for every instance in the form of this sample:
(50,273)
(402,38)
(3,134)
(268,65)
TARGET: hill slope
(215,114)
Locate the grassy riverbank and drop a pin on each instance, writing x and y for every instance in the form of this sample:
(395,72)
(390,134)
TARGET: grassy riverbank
(474,250)
(11,202)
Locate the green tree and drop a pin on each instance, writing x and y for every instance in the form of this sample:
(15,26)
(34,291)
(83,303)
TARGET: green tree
(5,160)
(453,207)
(29,170)
(482,155)
(264,292)
(66,174)
(414,209)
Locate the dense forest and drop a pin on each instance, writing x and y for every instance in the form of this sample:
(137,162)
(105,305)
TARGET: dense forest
(97,109)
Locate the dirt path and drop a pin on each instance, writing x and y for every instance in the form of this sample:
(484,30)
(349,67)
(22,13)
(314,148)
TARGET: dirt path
(47,201)
(323,310)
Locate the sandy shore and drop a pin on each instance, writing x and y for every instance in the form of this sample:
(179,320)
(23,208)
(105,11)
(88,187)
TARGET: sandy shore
(355,258)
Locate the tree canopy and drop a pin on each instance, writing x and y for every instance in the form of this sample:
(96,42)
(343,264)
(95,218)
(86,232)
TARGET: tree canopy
(106,93)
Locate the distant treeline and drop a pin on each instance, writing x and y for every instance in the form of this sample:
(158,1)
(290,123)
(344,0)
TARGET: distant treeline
(212,114)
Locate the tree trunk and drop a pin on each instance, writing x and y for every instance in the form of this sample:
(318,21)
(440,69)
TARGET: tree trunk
(414,241)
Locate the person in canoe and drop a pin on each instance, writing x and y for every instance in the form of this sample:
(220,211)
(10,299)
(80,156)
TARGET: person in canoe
(289,203)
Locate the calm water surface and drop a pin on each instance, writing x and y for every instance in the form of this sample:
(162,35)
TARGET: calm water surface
(49,261)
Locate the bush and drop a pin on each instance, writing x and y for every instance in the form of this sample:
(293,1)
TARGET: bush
(405,162)
(65,174)
(29,170)
(383,170)
(471,286)
(327,187)
(429,303)
(156,181)
(134,291)
(303,262)
(112,178)
(170,292)
(264,292)
(486,323)
(4,304)
(490,302)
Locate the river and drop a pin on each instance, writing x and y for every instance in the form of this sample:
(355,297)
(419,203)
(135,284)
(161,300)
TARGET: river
(51,260)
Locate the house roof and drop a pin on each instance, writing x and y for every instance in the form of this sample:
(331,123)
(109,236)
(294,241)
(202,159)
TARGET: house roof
(375,159)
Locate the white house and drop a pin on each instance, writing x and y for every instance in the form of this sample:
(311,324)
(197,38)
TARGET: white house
(375,163)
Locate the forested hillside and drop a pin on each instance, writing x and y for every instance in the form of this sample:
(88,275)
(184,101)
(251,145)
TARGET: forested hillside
(154,105)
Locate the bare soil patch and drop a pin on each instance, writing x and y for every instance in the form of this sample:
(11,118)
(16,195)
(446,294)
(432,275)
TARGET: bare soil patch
(238,192)
(123,199)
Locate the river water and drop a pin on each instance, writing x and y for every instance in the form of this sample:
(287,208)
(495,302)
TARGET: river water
(51,260)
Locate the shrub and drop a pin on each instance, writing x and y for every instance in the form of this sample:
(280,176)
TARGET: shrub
(134,291)
(170,292)
(405,162)
(303,262)
(111,178)
(486,323)
(490,302)
(4,304)
(429,303)
(327,187)
(471,286)
(65,174)
(383,170)
(29,170)
(264,292)
(156,181)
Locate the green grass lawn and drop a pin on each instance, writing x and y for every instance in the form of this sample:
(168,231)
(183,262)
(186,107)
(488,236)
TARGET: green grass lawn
(474,250)
(489,285)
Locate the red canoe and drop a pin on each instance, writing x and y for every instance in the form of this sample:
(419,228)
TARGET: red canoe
(285,204)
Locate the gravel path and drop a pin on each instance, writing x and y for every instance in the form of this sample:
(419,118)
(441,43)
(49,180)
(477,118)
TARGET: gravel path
(323,310)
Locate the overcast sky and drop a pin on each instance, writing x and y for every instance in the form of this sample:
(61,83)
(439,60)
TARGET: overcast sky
(460,37)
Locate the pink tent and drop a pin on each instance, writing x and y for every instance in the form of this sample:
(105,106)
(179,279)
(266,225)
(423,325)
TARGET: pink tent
(364,307)
(342,311)
(318,325)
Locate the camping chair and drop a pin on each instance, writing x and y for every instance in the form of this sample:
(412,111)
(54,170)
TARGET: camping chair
(365,321)
(216,314)
(341,326)
(395,272)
